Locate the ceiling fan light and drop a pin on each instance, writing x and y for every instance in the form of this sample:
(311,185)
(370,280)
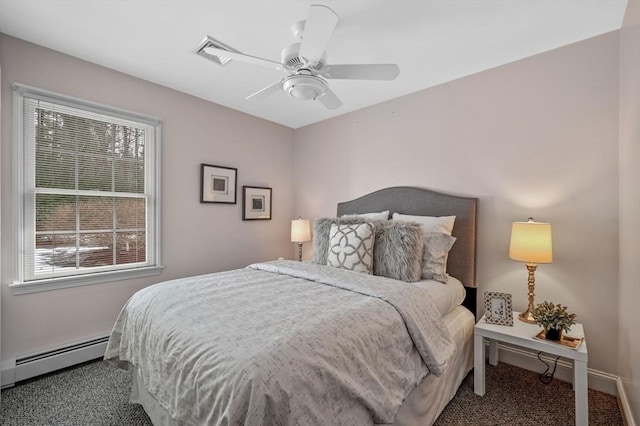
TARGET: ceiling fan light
(303,92)
(304,87)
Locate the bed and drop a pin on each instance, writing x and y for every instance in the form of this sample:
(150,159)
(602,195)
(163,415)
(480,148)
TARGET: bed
(289,342)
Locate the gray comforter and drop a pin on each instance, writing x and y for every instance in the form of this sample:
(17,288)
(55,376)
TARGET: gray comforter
(281,343)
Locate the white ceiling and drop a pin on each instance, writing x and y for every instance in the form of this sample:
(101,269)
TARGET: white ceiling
(432,41)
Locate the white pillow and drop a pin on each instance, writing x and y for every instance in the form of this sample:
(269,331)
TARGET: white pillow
(368,216)
(351,247)
(435,255)
(442,224)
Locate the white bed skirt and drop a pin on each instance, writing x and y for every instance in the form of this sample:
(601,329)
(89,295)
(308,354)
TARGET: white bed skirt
(423,405)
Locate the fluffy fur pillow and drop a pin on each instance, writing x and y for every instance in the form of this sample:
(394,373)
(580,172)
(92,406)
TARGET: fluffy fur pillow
(436,249)
(398,251)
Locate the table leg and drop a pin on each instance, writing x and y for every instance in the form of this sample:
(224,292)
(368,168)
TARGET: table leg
(580,387)
(493,352)
(478,364)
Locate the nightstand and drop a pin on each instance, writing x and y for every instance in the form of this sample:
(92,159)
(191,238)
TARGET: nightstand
(521,334)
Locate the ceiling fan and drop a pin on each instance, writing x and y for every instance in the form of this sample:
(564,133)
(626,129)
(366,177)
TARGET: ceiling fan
(305,63)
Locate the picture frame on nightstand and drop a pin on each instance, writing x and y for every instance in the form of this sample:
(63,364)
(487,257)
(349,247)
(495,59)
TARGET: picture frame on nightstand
(498,308)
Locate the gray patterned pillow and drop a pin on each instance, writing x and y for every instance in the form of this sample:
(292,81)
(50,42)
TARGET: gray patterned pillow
(321,229)
(399,248)
(351,247)
(434,261)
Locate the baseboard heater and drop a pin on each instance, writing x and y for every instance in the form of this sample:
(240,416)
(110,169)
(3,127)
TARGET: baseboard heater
(51,360)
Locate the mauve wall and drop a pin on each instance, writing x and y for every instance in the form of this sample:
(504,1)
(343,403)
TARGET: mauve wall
(537,137)
(196,238)
(629,346)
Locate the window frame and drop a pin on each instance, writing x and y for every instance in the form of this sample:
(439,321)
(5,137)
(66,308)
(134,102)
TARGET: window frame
(152,193)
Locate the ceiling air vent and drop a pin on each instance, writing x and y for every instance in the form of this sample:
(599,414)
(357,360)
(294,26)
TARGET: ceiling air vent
(210,42)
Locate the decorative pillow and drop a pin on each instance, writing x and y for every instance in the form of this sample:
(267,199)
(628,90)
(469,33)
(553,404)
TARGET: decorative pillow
(321,229)
(351,247)
(442,224)
(434,261)
(429,223)
(368,216)
(398,253)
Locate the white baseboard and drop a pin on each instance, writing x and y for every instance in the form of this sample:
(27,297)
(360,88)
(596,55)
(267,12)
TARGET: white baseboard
(528,360)
(625,407)
(8,377)
(25,367)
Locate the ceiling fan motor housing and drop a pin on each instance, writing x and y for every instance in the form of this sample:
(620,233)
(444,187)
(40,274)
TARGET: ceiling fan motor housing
(292,60)
(304,87)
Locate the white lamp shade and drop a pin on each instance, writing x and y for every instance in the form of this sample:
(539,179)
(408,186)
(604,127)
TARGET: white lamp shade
(300,231)
(531,242)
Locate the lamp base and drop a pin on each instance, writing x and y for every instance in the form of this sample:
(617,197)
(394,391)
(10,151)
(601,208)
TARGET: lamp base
(527,316)
(299,252)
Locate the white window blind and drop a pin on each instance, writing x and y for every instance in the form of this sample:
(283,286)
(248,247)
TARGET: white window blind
(88,191)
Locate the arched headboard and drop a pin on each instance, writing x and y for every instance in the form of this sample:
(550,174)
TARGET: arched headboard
(423,202)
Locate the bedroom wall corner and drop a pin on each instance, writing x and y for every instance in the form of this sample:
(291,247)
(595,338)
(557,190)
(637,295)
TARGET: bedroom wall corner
(0,220)
(536,137)
(629,154)
(196,238)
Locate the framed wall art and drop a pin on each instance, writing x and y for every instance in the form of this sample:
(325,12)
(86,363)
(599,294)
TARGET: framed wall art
(256,203)
(498,308)
(218,184)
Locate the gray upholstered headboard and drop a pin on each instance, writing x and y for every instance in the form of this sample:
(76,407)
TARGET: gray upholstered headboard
(423,202)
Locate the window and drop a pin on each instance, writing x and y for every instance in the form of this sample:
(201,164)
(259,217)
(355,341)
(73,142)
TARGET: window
(87,192)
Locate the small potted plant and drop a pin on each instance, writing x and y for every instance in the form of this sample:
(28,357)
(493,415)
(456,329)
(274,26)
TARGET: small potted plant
(554,319)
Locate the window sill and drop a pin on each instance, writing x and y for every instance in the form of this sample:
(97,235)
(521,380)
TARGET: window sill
(82,280)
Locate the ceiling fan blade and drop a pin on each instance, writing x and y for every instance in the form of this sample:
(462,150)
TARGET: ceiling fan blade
(330,100)
(210,50)
(269,90)
(317,31)
(361,71)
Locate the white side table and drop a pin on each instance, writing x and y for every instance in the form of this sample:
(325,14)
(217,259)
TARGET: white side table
(521,334)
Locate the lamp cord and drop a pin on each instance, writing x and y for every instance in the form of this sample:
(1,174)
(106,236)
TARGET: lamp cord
(547,377)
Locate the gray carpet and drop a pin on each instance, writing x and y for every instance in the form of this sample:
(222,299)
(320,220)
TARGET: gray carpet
(517,397)
(96,393)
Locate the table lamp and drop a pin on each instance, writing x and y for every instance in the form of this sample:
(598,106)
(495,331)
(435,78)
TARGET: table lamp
(530,243)
(300,232)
